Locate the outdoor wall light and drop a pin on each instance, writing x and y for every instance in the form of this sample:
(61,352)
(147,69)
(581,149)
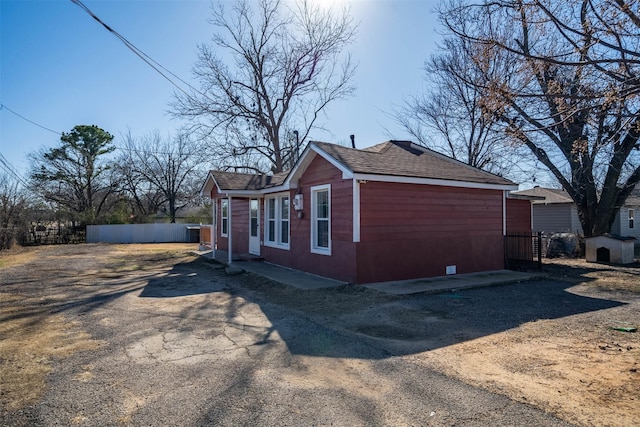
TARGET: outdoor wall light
(298,205)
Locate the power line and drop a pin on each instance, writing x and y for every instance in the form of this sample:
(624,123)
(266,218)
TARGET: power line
(6,165)
(3,106)
(146,58)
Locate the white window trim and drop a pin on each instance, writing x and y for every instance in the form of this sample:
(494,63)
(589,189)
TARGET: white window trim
(315,249)
(222,217)
(278,221)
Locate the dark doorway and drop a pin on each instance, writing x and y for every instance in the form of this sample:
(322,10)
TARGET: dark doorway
(603,255)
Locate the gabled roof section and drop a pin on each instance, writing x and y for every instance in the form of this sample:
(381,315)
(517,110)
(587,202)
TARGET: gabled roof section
(241,182)
(550,195)
(406,159)
(634,197)
(393,161)
(244,181)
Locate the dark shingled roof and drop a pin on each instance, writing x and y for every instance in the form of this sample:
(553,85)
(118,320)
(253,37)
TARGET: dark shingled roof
(247,181)
(403,158)
(391,158)
(634,197)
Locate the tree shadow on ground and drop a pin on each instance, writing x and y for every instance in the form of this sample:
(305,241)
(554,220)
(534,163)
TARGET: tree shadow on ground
(182,280)
(423,322)
(354,322)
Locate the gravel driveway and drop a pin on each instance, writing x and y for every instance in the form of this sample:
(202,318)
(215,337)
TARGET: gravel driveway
(182,343)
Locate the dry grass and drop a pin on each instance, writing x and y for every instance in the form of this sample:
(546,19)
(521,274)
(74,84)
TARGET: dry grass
(30,338)
(601,277)
(17,256)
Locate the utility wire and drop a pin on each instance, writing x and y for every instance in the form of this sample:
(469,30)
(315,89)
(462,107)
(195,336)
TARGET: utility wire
(6,165)
(3,106)
(123,148)
(146,58)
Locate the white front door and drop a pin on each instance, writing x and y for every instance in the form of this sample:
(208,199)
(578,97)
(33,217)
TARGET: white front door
(254,225)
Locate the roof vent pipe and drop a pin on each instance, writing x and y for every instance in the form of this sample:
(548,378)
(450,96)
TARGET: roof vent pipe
(353,141)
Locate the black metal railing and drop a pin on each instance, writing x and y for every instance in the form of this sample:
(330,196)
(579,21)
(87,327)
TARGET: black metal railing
(523,251)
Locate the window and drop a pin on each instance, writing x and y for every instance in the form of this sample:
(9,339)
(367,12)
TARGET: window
(224,207)
(631,217)
(277,221)
(321,219)
(271,220)
(284,220)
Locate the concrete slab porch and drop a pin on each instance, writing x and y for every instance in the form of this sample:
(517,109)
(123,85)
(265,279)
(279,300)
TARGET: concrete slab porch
(301,280)
(453,282)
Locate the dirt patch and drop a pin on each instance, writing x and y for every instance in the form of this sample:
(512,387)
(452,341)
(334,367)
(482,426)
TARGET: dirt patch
(578,367)
(585,378)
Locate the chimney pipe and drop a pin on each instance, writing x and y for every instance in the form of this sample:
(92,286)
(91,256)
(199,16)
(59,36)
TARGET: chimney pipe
(295,132)
(353,141)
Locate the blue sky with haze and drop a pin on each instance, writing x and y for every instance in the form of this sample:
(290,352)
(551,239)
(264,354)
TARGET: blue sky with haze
(60,68)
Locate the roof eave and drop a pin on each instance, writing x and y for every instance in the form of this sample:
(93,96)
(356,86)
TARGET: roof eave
(524,197)
(209,184)
(433,181)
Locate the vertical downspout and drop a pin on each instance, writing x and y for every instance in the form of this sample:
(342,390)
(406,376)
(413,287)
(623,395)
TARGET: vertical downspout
(356,225)
(214,226)
(504,212)
(230,233)
(504,229)
(531,214)
(356,211)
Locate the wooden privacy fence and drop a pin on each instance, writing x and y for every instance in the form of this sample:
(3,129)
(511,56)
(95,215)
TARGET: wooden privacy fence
(523,251)
(142,233)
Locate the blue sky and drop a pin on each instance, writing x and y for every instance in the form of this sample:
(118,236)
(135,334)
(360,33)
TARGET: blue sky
(60,68)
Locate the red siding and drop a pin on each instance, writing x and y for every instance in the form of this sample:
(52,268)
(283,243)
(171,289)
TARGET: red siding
(407,230)
(410,231)
(341,265)
(239,224)
(518,216)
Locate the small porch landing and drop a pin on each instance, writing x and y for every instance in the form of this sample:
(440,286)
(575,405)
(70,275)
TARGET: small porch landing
(302,280)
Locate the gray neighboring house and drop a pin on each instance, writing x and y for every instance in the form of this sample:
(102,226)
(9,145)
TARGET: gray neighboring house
(556,213)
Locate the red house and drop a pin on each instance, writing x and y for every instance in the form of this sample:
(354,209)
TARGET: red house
(393,211)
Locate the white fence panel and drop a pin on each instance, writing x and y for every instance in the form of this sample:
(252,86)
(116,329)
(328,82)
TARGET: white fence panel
(138,233)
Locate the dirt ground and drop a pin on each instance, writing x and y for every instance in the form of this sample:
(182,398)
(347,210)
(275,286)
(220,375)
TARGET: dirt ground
(575,364)
(578,367)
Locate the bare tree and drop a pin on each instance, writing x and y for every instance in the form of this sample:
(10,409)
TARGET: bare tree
(13,206)
(76,174)
(140,196)
(270,70)
(562,79)
(167,169)
(448,116)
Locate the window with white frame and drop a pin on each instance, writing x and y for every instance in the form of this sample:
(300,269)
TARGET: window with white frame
(321,219)
(284,220)
(631,218)
(276,216)
(224,217)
